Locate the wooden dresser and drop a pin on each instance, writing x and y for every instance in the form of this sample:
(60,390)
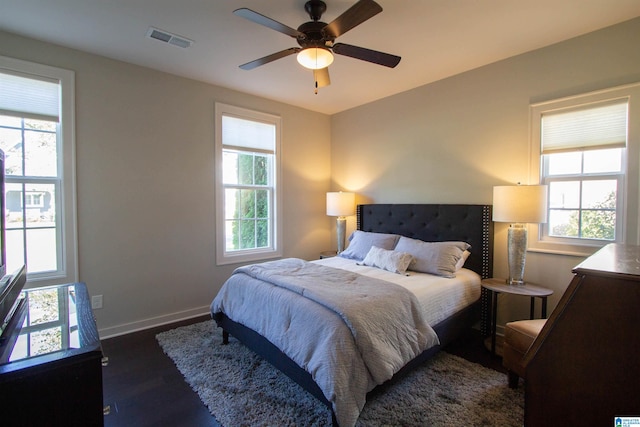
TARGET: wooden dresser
(53,376)
(584,367)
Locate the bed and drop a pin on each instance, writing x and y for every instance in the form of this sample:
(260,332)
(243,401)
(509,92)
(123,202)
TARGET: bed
(424,222)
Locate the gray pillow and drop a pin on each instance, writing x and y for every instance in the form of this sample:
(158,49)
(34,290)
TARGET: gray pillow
(439,258)
(362,241)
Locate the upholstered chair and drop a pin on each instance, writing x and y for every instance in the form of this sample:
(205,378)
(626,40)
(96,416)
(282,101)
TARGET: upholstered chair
(518,337)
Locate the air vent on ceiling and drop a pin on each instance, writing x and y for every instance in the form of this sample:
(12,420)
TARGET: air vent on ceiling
(164,36)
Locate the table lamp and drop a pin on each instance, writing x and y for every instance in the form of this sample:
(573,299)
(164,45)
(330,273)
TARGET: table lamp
(341,204)
(519,205)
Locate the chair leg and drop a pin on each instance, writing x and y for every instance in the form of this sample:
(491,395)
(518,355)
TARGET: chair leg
(513,379)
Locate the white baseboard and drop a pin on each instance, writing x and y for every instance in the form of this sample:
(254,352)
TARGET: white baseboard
(141,325)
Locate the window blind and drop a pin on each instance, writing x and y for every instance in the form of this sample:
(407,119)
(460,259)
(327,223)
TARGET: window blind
(248,134)
(24,96)
(594,127)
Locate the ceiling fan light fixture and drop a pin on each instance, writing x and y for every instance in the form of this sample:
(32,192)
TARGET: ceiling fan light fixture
(315,58)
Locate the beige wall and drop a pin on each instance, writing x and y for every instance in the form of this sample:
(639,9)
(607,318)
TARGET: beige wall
(453,140)
(145,184)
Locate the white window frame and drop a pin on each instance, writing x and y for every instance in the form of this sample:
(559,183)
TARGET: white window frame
(627,230)
(67,241)
(275,249)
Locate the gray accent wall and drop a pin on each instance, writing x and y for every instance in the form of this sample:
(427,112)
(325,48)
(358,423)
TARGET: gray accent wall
(453,140)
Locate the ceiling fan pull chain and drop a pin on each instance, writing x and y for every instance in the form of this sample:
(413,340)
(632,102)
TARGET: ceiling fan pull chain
(316,91)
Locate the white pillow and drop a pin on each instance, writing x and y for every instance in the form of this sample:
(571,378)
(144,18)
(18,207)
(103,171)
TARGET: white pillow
(362,241)
(439,258)
(393,261)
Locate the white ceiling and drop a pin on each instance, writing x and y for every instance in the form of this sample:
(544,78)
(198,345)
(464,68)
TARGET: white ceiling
(435,38)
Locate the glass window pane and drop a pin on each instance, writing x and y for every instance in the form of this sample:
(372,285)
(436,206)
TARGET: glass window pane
(231,203)
(11,144)
(14,214)
(245,169)
(229,167)
(15,249)
(564,194)
(262,233)
(262,170)
(262,204)
(247,234)
(563,223)
(564,163)
(39,205)
(45,125)
(598,225)
(10,121)
(601,161)
(40,153)
(231,235)
(599,194)
(41,250)
(247,204)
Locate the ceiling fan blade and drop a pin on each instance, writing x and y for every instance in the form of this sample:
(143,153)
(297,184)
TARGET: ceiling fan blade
(321,77)
(268,22)
(368,55)
(355,15)
(269,58)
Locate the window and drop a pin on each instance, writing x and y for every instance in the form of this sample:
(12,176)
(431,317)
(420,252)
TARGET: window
(585,149)
(36,135)
(247,171)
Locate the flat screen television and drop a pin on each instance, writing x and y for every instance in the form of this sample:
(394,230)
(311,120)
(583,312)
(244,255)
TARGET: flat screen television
(3,249)
(10,284)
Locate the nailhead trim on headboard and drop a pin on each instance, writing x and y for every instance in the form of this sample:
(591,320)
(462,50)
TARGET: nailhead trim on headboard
(436,223)
(487,242)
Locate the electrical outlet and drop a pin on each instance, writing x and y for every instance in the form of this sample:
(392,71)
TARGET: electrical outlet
(96,301)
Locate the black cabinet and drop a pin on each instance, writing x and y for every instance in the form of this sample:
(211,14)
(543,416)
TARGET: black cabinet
(53,375)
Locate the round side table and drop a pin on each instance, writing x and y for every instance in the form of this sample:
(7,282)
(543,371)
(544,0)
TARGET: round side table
(496,286)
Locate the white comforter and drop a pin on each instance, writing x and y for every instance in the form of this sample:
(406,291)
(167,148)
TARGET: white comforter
(440,297)
(349,332)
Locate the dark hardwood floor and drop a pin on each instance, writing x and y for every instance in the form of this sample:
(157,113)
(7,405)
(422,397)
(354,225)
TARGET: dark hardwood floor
(144,388)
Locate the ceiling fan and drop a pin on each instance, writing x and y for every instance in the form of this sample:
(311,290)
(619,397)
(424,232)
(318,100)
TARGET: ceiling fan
(316,38)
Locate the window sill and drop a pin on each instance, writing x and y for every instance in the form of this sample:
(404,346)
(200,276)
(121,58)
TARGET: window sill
(248,257)
(564,249)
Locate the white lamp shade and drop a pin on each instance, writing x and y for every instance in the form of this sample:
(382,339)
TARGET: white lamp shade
(520,203)
(341,203)
(315,58)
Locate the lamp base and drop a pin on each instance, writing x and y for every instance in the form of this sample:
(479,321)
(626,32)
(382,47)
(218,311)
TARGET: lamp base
(341,227)
(517,248)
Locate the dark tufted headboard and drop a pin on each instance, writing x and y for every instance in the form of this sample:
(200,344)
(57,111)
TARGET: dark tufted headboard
(436,223)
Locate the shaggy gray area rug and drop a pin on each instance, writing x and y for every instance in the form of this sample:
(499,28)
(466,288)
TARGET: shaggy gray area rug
(241,389)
